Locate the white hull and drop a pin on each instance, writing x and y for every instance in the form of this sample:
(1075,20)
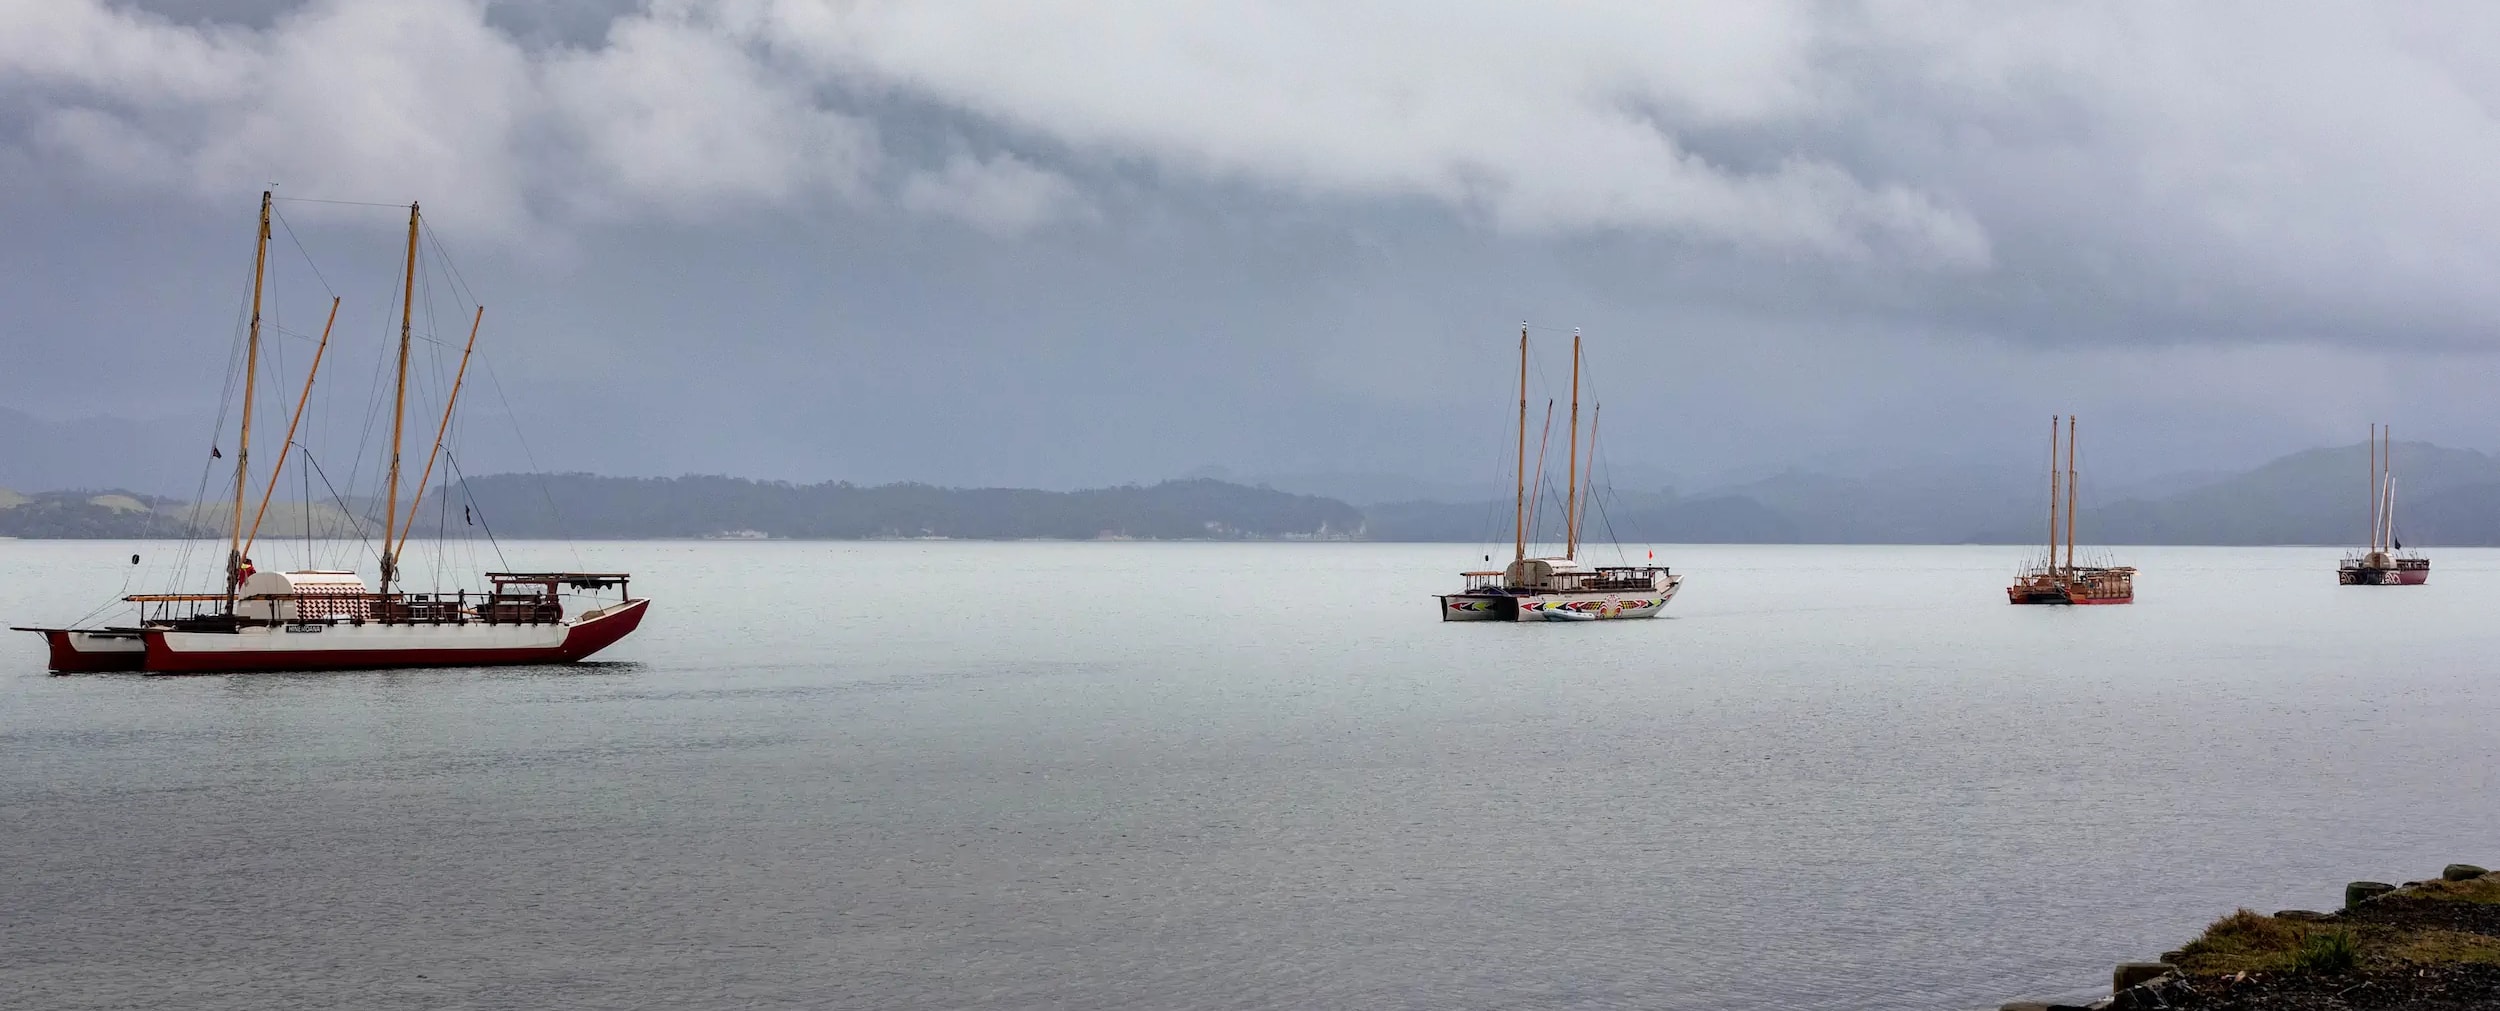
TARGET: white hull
(1586,605)
(369,637)
(349,646)
(1595,606)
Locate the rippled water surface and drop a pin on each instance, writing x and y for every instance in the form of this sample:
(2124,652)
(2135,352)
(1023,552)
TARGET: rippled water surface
(1234,776)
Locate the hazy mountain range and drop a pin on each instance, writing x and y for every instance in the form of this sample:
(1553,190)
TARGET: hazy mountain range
(2319,496)
(2445,496)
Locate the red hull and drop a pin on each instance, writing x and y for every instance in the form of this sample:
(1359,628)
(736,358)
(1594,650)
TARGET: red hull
(2018,595)
(580,641)
(67,658)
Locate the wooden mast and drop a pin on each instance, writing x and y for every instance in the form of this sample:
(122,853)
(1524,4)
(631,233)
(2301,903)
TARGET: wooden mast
(251,371)
(300,401)
(1519,522)
(2374,488)
(2056,489)
(399,407)
(456,379)
(1571,496)
(2070,494)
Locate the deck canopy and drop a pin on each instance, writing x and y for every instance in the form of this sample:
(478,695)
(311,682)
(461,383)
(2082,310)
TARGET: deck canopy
(1542,572)
(307,595)
(567,580)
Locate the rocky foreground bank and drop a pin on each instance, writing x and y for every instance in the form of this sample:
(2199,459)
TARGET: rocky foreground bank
(2421,946)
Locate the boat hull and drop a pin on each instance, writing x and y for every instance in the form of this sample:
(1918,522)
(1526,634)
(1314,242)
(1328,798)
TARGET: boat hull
(2049,593)
(1594,606)
(1589,605)
(92,651)
(376,645)
(2383,577)
(2020,597)
(1479,607)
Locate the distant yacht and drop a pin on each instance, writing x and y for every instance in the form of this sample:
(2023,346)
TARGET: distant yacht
(2051,581)
(1558,589)
(2386,563)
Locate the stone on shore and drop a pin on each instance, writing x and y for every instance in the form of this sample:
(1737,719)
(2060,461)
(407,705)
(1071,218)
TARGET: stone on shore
(2299,915)
(2359,892)
(2462,872)
(2131,973)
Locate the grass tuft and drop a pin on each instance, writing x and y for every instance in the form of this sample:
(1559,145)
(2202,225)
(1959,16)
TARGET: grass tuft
(2327,951)
(2242,941)
(2442,947)
(2482,889)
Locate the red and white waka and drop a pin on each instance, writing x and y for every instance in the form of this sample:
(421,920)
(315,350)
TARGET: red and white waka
(324,619)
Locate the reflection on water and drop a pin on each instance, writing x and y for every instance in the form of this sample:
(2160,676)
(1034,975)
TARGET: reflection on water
(1154,776)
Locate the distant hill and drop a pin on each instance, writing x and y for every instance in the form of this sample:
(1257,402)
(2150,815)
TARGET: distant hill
(122,514)
(2446,497)
(588,506)
(584,505)
(2320,496)
(1657,518)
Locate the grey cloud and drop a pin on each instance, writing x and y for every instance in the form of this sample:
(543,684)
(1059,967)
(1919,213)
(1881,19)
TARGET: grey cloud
(1118,241)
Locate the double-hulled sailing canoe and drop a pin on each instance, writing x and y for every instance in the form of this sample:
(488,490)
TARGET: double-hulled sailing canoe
(316,619)
(2386,563)
(1558,589)
(2052,581)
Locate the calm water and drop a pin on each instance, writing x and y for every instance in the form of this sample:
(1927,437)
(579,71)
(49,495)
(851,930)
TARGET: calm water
(1239,776)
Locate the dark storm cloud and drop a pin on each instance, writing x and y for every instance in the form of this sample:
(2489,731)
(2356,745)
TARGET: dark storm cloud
(995,242)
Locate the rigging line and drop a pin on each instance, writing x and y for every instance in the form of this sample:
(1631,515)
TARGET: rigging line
(308,508)
(1608,518)
(299,247)
(470,496)
(225,405)
(352,526)
(288,331)
(1598,458)
(373,395)
(460,284)
(535,470)
(127,573)
(341,203)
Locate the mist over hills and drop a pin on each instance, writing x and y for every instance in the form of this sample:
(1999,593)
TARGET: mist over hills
(2319,496)
(592,507)
(2445,497)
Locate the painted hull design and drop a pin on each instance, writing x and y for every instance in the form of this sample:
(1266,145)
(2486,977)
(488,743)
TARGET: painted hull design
(1479,607)
(2018,596)
(375,645)
(1583,606)
(2360,576)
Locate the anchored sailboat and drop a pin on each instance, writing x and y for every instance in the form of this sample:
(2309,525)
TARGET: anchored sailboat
(2386,563)
(1558,589)
(319,619)
(2052,581)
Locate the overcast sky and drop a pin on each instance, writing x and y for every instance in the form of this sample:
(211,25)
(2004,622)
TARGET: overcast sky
(1007,243)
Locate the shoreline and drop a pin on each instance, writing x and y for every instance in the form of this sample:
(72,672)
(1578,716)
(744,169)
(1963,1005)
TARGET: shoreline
(2428,945)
